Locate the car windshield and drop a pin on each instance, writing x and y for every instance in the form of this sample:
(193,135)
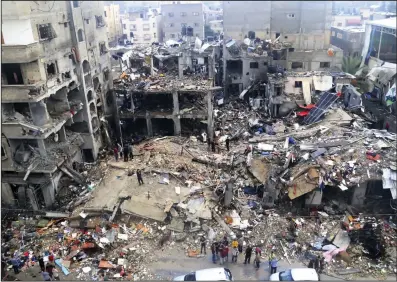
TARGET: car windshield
(286,275)
(190,277)
(228,274)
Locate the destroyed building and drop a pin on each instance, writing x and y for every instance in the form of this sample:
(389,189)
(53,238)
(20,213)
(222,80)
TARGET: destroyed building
(56,89)
(295,37)
(350,39)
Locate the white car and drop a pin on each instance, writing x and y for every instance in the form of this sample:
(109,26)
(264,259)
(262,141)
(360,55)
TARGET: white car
(296,274)
(209,274)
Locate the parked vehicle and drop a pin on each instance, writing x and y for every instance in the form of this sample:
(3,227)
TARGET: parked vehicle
(209,274)
(296,274)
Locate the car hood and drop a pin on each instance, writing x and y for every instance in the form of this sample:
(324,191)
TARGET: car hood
(179,278)
(274,277)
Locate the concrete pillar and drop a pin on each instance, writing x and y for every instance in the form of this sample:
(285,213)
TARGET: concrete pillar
(39,113)
(211,71)
(149,125)
(62,134)
(177,125)
(210,127)
(48,193)
(151,66)
(42,149)
(180,67)
(176,102)
(7,197)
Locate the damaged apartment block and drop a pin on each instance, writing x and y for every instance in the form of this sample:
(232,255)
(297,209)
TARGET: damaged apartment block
(53,85)
(167,90)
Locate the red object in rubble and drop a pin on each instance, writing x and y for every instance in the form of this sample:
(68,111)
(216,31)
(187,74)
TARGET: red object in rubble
(308,107)
(339,94)
(303,113)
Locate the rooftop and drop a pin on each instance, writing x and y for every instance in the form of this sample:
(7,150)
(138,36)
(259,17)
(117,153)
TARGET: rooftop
(388,23)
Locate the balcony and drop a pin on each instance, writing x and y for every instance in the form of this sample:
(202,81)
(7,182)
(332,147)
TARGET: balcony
(20,53)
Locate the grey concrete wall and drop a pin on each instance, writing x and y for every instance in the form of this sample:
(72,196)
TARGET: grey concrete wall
(311,60)
(239,17)
(178,19)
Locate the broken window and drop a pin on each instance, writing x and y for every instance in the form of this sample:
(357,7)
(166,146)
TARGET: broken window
(102,48)
(89,95)
(265,63)
(278,34)
(298,84)
(325,64)
(296,65)
(46,31)
(234,67)
(86,66)
(12,72)
(106,75)
(76,4)
(52,69)
(254,65)
(99,21)
(80,35)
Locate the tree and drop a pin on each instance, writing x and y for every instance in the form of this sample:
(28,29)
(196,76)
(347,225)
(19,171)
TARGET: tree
(351,64)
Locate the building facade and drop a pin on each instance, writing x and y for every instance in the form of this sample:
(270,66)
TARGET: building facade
(142,26)
(349,39)
(113,23)
(177,16)
(56,87)
(346,20)
(212,14)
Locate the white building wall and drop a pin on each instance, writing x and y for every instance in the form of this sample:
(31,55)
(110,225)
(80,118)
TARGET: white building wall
(17,32)
(145,31)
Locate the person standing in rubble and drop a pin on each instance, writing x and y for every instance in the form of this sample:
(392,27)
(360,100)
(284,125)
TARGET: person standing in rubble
(120,150)
(240,245)
(221,253)
(257,260)
(139,176)
(131,151)
(317,264)
(125,151)
(217,250)
(203,247)
(248,253)
(116,153)
(213,146)
(235,253)
(322,265)
(227,143)
(213,251)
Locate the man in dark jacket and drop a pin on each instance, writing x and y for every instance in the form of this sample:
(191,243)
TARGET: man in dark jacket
(213,251)
(125,152)
(202,240)
(248,253)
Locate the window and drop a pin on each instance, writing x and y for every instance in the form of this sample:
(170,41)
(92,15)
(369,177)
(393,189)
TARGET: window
(13,73)
(172,35)
(146,27)
(170,15)
(265,63)
(196,13)
(154,24)
(339,24)
(76,4)
(196,24)
(141,16)
(254,65)
(46,31)
(51,69)
(155,35)
(102,48)
(333,33)
(298,84)
(183,14)
(87,21)
(105,13)
(80,35)
(325,64)
(132,27)
(65,24)
(146,36)
(99,21)
(171,25)
(131,34)
(296,65)
(339,35)
(290,16)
